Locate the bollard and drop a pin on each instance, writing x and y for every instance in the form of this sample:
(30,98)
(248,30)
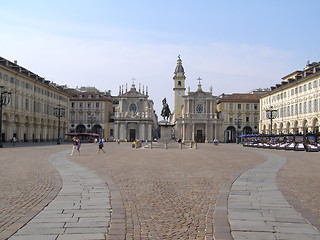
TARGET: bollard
(165,145)
(151,145)
(191,144)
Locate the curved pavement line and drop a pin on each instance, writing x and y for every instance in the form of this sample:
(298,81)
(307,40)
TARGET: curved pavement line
(258,210)
(80,211)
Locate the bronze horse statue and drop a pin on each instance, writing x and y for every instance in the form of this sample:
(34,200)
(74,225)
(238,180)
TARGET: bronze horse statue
(165,113)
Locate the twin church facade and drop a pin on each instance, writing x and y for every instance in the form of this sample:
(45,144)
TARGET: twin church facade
(31,114)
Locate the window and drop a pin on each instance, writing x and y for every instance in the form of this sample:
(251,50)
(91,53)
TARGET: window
(230,106)
(199,108)
(304,87)
(17,101)
(314,83)
(80,96)
(72,116)
(247,119)
(309,86)
(309,106)
(230,119)
(72,104)
(80,116)
(292,113)
(80,104)
(285,94)
(97,96)
(132,107)
(179,83)
(255,106)
(300,108)
(288,111)
(315,105)
(239,106)
(304,107)
(300,89)
(27,104)
(247,106)
(292,92)
(97,105)
(296,109)
(89,105)
(97,117)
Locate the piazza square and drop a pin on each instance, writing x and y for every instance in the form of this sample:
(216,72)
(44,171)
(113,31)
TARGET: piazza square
(159,120)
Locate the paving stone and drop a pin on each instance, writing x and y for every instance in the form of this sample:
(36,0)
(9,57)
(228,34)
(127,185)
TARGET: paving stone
(71,205)
(270,206)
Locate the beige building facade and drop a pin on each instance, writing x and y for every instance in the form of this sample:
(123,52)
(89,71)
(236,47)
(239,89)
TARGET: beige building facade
(89,111)
(31,112)
(240,114)
(296,101)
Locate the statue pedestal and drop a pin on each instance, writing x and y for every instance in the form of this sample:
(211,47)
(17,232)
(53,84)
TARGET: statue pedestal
(165,130)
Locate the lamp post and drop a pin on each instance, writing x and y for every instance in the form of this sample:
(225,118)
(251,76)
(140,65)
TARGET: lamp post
(59,112)
(271,114)
(91,120)
(237,122)
(4,100)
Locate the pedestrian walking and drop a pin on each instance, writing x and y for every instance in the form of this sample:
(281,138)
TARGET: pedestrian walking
(14,140)
(78,145)
(101,145)
(74,145)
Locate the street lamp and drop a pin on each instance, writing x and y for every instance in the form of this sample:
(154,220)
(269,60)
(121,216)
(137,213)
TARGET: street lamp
(59,112)
(271,114)
(91,120)
(4,100)
(237,122)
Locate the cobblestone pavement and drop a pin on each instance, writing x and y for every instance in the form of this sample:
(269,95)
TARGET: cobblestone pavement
(155,194)
(28,182)
(169,194)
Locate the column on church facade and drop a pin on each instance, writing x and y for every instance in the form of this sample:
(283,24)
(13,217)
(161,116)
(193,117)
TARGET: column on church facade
(122,131)
(193,129)
(149,131)
(142,131)
(183,131)
(116,131)
(206,131)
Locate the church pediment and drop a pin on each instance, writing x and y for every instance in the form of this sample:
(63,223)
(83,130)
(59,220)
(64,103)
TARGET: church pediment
(198,94)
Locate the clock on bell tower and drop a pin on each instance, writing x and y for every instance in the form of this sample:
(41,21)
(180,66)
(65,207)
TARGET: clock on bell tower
(179,89)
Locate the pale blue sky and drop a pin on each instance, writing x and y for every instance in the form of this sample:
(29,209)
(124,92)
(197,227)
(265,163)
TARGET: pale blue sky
(234,45)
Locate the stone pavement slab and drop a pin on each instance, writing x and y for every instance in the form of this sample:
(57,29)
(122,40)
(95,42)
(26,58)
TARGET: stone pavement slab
(258,210)
(80,211)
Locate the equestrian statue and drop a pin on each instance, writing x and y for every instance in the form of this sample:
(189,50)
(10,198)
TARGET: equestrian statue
(165,113)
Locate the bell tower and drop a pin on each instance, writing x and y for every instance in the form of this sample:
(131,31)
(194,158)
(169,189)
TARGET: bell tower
(178,89)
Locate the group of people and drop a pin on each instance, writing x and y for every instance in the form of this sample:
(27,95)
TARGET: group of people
(76,144)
